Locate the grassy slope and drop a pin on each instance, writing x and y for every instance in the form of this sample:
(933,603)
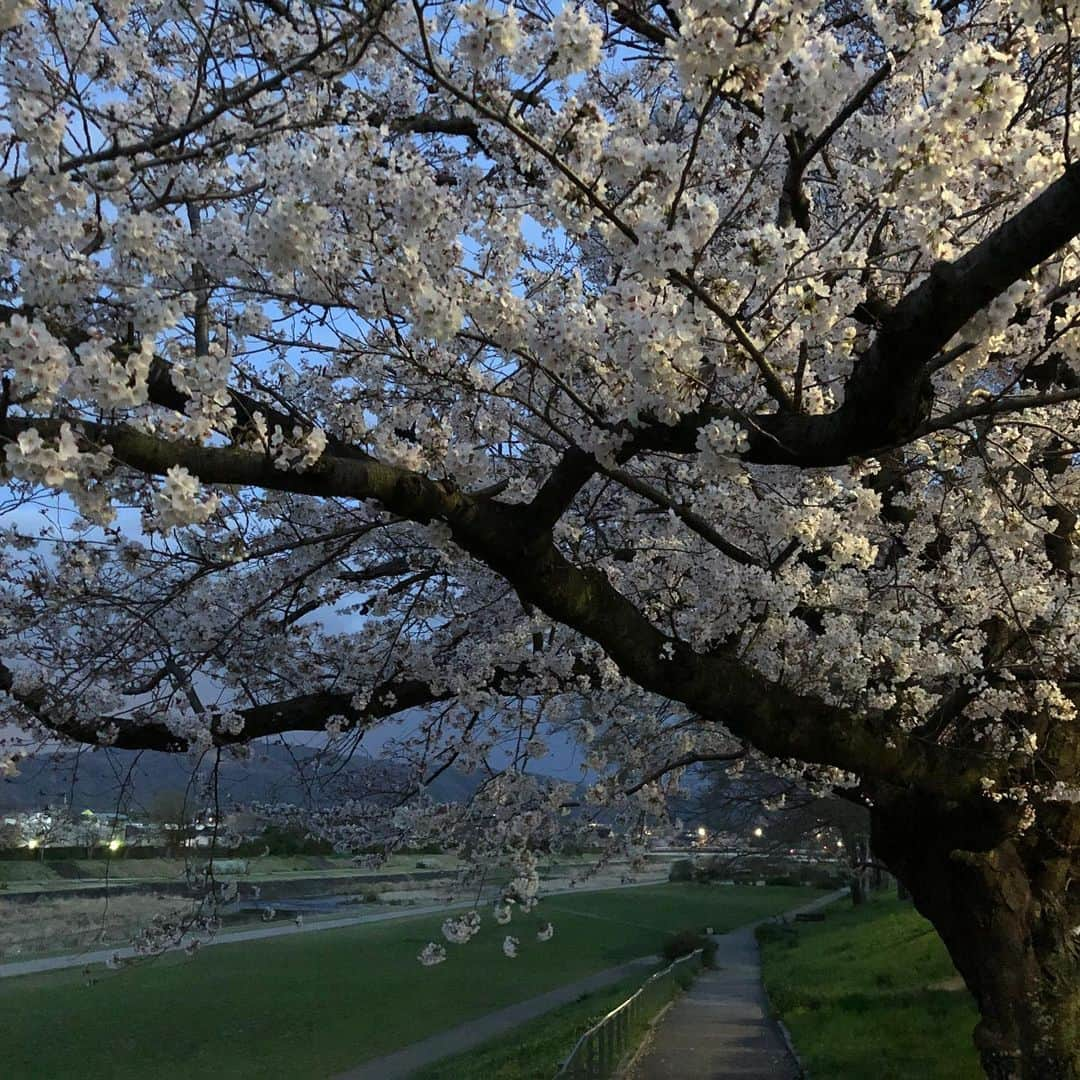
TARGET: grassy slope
(25,870)
(538,1049)
(26,875)
(313,1004)
(535,1050)
(862,995)
(262,866)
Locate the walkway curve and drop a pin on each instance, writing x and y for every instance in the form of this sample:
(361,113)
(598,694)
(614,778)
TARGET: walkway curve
(721,1028)
(459,1040)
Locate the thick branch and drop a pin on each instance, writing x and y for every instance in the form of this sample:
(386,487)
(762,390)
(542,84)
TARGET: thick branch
(888,397)
(504,537)
(307,712)
(162,391)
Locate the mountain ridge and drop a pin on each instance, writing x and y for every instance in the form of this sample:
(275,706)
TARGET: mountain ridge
(129,781)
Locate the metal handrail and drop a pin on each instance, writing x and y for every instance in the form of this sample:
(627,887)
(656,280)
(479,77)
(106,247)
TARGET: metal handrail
(598,1052)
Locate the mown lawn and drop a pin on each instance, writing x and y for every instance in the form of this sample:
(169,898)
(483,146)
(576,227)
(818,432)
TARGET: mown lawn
(314,1004)
(871,994)
(536,1050)
(17,870)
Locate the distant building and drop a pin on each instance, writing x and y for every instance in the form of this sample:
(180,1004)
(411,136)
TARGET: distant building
(53,827)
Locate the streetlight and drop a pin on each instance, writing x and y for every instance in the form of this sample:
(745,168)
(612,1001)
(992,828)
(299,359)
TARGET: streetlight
(702,832)
(32,844)
(115,845)
(759,832)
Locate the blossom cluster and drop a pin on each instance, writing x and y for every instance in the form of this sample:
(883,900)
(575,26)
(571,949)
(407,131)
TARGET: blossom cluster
(180,500)
(462,929)
(457,262)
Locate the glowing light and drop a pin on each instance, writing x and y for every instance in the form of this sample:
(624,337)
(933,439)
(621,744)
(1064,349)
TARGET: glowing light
(702,832)
(32,844)
(759,832)
(115,845)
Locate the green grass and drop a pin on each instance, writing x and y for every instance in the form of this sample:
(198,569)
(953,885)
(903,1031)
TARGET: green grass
(311,1005)
(652,909)
(534,1051)
(158,869)
(19,870)
(863,996)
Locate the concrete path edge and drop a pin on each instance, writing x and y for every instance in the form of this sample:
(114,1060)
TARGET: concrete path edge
(724,1025)
(473,1033)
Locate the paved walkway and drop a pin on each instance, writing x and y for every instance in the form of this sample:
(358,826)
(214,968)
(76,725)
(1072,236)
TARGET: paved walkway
(720,1028)
(278,929)
(466,1036)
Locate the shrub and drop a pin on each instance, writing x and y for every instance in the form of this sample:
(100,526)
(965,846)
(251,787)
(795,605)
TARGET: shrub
(681,870)
(683,943)
(822,877)
(19,854)
(287,840)
(713,869)
(782,879)
(143,851)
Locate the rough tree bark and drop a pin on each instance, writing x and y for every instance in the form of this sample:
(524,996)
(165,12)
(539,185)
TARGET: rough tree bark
(1006,903)
(1005,899)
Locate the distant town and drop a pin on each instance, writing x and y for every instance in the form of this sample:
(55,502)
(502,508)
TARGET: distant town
(84,832)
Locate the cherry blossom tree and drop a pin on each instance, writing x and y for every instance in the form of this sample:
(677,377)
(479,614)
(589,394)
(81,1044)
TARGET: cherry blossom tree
(687,380)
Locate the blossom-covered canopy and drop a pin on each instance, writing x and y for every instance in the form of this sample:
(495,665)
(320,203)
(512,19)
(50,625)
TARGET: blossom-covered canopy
(663,379)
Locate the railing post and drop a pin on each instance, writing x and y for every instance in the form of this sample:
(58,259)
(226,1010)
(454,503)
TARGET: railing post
(602,1047)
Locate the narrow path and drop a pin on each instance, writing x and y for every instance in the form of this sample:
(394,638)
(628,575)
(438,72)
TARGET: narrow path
(403,1063)
(465,1037)
(260,933)
(720,1028)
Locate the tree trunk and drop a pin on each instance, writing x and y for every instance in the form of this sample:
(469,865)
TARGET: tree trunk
(858,852)
(858,890)
(877,872)
(1007,906)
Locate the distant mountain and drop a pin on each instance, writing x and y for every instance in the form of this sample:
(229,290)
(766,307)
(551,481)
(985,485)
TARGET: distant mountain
(130,781)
